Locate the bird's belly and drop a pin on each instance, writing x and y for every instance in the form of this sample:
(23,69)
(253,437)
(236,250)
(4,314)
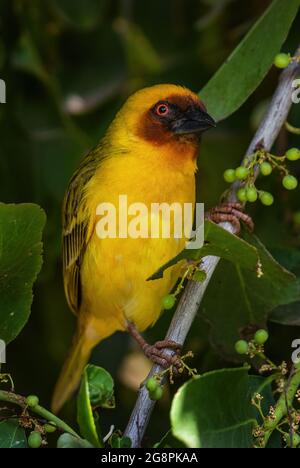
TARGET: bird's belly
(114,280)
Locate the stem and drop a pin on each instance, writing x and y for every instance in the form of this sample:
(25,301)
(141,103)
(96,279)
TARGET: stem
(283,405)
(19,400)
(291,129)
(191,299)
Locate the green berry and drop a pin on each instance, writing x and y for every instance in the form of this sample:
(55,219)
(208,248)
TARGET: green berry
(241,347)
(266,169)
(266,198)
(168,302)
(251,194)
(35,440)
(229,176)
(293,154)
(282,60)
(32,401)
(157,394)
(261,337)
(151,385)
(290,182)
(242,195)
(49,428)
(242,173)
(200,276)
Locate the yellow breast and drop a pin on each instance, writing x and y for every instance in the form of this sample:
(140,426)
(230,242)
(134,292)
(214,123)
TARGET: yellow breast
(115,270)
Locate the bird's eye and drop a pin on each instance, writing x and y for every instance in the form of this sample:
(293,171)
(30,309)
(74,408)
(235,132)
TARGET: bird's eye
(162,110)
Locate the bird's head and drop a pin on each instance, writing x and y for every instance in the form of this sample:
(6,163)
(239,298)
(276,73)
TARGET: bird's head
(166,116)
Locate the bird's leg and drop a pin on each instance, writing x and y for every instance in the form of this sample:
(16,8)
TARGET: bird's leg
(156,352)
(232,213)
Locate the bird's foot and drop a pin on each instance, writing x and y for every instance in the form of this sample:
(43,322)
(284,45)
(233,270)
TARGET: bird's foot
(157,352)
(232,213)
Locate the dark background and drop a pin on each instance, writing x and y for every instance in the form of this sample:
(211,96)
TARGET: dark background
(101,51)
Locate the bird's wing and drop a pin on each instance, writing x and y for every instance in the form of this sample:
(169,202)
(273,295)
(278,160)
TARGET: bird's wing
(76,224)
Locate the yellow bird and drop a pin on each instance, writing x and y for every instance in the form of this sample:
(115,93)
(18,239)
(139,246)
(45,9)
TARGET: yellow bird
(149,154)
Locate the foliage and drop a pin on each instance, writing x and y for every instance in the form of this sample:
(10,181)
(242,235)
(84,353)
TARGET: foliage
(69,66)
(20,262)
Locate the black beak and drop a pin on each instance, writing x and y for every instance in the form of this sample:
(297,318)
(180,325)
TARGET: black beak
(194,120)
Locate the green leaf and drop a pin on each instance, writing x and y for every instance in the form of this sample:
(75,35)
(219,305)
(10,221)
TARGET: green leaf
(247,299)
(247,66)
(220,243)
(96,390)
(101,387)
(214,411)
(68,441)
(21,229)
(120,442)
(12,435)
(288,314)
(85,417)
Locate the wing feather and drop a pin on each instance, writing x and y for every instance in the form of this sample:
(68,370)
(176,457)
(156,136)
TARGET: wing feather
(76,221)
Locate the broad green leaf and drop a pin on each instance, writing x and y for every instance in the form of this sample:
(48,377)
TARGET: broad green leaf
(249,63)
(289,258)
(12,435)
(85,417)
(68,441)
(237,300)
(214,411)
(220,243)
(96,390)
(101,387)
(21,229)
(288,314)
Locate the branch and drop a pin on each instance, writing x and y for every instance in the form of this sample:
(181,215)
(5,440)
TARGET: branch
(191,299)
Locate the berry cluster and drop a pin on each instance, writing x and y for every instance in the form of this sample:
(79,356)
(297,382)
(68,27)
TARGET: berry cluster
(242,347)
(154,388)
(35,438)
(264,163)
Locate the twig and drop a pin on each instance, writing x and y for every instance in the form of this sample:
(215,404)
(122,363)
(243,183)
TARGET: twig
(191,299)
(20,401)
(78,104)
(283,405)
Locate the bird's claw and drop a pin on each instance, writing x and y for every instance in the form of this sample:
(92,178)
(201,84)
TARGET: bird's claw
(232,213)
(156,353)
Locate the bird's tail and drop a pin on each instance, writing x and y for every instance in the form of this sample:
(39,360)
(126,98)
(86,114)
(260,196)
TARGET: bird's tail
(71,372)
